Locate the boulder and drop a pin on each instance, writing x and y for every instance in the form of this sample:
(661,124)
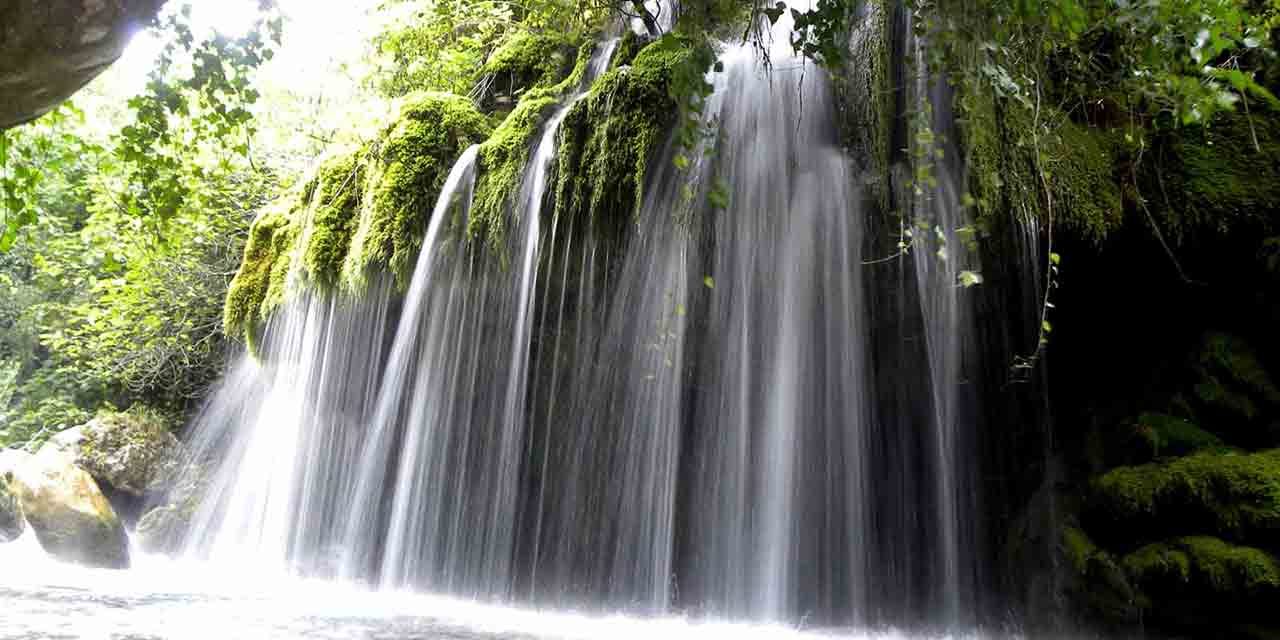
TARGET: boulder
(133,453)
(12,522)
(12,459)
(164,529)
(70,516)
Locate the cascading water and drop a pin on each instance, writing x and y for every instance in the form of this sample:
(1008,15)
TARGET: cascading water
(685,412)
(288,429)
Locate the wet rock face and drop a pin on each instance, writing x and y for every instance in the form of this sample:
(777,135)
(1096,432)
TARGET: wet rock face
(49,49)
(71,517)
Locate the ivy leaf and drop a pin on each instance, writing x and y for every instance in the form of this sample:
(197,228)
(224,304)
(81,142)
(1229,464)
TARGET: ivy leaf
(970,278)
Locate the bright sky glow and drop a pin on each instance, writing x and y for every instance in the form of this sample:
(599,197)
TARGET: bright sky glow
(316,33)
(311,86)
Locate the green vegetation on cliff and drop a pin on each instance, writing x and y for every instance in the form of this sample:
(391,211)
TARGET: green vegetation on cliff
(1204,566)
(1235,496)
(411,163)
(527,61)
(259,286)
(364,210)
(608,139)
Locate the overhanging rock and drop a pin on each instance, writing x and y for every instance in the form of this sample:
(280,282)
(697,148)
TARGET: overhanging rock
(49,49)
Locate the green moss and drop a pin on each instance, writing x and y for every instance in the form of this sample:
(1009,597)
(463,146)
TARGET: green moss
(332,217)
(1232,380)
(1002,177)
(527,60)
(410,165)
(1214,177)
(1076,168)
(501,161)
(628,47)
(570,81)
(1166,435)
(1233,496)
(364,210)
(1204,566)
(1158,563)
(259,286)
(1096,582)
(1081,164)
(608,139)
(1078,548)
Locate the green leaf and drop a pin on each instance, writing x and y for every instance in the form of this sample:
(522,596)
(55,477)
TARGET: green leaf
(970,278)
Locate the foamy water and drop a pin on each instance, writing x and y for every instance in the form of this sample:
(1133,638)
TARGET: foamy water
(161,599)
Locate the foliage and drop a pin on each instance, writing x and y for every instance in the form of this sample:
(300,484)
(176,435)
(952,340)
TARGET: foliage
(438,45)
(126,244)
(120,315)
(205,106)
(28,157)
(1186,60)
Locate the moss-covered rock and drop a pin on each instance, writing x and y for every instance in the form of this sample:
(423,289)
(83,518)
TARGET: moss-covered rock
(133,451)
(331,216)
(1206,565)
(1096,580)
(525,61)
(1081,165)
(1234,496)
(12,522)
(501,162)
(1212,178)
(1232,389)
(1205,586)
(413,159)
(71,518)
(1020,164)
(1161,435)
(364,209)
(608,139)
(260,284)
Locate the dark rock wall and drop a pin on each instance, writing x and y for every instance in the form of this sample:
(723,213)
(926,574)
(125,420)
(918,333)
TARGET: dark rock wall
(49,49)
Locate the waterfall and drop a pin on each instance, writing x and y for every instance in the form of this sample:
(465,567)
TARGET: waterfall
(718,406)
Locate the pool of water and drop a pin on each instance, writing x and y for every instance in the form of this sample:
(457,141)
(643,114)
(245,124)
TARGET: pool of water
(163,599)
